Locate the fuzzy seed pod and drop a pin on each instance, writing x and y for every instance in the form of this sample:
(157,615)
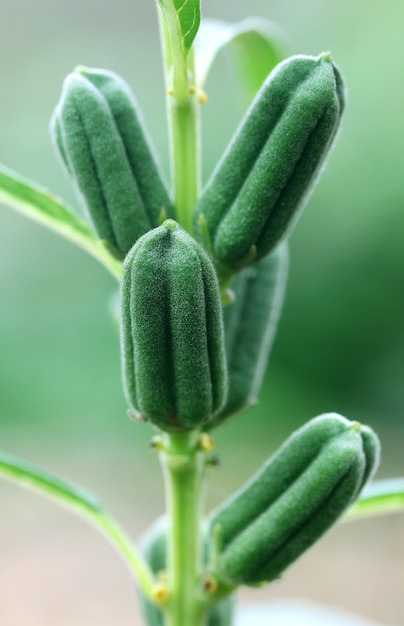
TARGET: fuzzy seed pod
(251,200)
(154,547)
(249,328)
(99,134)
(173,355)
(296,496)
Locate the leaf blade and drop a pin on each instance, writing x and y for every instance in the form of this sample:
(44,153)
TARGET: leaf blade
(189,16)
(83,503)
(381,497)
(41,205)
(257,45)
(36,478)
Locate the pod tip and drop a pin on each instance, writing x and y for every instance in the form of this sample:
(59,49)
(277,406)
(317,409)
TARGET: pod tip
(79,69)
(206,443)
(170,224)
(325,56)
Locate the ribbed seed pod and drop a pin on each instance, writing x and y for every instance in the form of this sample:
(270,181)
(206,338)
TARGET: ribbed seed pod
(251,200)
(249,327)
(173,355)
(296,496)
(100,136)
(154,548)
(371,449)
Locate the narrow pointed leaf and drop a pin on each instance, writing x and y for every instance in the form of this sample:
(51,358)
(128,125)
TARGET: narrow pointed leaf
(380,498)
(82,502)
(188,15)
(53,486)
(255,44)
(41,205)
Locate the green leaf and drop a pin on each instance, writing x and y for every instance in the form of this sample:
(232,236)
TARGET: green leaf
(85,504)
(43,206)
(380,498)
(256,45)
(53,486)
(188,17)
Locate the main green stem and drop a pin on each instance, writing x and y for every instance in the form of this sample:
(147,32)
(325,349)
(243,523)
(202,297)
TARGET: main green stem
(182,459)
(183,118)
(183,465)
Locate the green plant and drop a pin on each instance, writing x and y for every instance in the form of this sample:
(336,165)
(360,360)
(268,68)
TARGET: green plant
(222,244)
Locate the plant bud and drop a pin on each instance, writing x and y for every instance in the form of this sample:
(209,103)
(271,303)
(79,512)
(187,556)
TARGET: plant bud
(249,327)
(296,496)
(99,134)
(252,198)
(173,355)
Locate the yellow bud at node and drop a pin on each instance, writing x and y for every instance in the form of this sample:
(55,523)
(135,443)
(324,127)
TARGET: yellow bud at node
(157,443)
(210,585)
(160,593)
(202,96)
(206,442)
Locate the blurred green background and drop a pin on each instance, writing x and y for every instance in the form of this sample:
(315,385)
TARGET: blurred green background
(340,345)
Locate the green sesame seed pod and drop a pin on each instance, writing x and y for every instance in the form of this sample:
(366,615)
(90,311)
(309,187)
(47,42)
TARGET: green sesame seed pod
(253,196)
(172,331)
(250,324)
(137,143)
(57,137)
(297,495)
(118,199)
(332,507)
(275,476)
(371,449)
(154,548)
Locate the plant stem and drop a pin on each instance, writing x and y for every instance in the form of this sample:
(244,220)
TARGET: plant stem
(183,461)
(183,465)
(183,117)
